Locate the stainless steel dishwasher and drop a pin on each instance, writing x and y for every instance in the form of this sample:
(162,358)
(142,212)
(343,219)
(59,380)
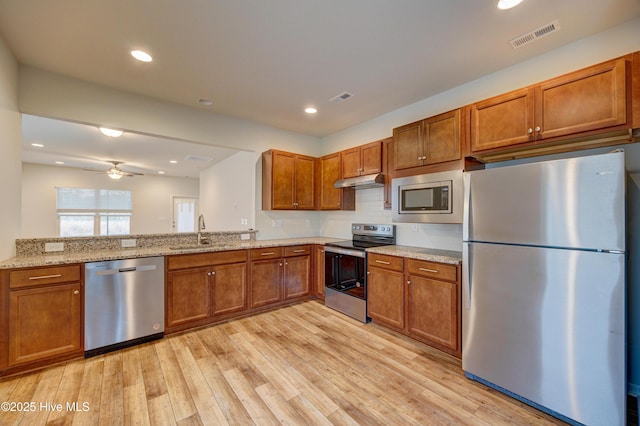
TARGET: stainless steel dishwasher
(124,303)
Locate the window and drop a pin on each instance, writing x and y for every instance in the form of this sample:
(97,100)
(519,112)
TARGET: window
(86,212)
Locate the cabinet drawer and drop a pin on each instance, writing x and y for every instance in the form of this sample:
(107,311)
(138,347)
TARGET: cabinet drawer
(183,261)
(435,270)
(297,251)
(266,253)
(43,276)
(383,261)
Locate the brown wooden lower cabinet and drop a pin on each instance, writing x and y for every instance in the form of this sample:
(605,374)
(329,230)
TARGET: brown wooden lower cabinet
(45,313)
(385,290)
(319,272)
(280,274)
(205,287)
(418,298)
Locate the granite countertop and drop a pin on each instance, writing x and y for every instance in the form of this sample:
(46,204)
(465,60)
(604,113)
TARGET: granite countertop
(130,253)
(420,253)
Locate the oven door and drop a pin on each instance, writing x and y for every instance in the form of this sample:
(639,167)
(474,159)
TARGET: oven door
(345,271)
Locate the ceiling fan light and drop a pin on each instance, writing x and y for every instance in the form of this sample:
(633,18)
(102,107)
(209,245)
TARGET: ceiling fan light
(111,132)
(114,174)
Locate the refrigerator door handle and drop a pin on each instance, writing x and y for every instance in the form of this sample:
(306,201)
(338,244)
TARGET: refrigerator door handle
(466,279)
(466,207)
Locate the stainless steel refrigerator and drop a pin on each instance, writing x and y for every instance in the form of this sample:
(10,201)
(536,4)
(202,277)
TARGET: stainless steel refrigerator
(544,288)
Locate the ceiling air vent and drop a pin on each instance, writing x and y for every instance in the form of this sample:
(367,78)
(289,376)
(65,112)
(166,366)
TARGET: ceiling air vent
(535,34)
(198,158)
(341,97)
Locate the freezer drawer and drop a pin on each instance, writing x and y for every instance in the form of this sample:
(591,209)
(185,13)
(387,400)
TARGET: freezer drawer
(124,301)
(548,325)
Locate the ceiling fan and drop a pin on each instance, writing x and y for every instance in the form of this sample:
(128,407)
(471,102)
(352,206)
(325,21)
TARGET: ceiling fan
(116,172)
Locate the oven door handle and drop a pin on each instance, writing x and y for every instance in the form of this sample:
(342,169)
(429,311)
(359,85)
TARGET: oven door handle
(347,252)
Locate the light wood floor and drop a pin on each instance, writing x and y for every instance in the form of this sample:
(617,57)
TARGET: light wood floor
(303,364)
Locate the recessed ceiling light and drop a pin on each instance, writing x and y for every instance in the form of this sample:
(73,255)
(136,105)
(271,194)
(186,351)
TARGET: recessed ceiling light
(310,110)
(141,56)
(205,102)
(37,145)
(111,132)
(173,162)
(59,162)
(508,4)
(160,172)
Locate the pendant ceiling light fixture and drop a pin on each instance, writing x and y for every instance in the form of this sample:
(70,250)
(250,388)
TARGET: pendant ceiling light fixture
(508,4)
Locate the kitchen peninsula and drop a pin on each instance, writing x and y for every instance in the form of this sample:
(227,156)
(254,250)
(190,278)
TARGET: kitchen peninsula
(43,292)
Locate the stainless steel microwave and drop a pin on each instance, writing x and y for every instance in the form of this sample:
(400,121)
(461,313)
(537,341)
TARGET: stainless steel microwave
(429,198)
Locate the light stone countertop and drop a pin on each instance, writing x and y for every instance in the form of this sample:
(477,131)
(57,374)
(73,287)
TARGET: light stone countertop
(131,253)
(420,253)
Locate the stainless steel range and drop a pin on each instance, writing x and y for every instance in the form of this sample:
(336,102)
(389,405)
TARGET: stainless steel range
(345,265)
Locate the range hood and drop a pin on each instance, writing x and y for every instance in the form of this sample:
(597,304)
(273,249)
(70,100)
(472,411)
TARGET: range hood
(361,182)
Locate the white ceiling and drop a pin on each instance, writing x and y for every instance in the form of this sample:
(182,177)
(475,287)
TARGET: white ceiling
(83,146)
(267,60)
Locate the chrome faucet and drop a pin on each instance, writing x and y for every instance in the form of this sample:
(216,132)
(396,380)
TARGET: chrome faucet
(201,226)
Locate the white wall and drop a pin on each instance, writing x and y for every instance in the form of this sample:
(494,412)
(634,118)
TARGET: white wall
(11,151)
(227,194)
(152,197)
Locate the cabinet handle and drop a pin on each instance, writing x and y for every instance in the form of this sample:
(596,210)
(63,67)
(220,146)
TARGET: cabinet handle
(433,271)
(538,129)
(383,262)
(409,282)
(280,264)
(286,263)
(44,277)
(76,292)
(213,273)
(530,130)
(368,272)
(269,253)
(299,251)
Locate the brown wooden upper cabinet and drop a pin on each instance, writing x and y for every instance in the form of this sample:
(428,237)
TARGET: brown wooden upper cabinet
(429,141)
(330,197)
(287,181)
(587,100)
(362,160)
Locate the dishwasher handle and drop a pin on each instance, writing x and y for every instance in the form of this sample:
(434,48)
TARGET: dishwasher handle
(131,269)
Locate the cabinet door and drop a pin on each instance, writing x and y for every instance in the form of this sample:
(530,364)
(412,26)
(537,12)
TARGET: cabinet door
(371,158)
(385,297)
(589,99)
(330,197)
(319,272)
(283,183)
(188,296)
(408,146)
(442,137)
(44,322)
(266,282)
(351,163)
(297,277)
(433,310)
(304,182)
(503,120)
(229,288)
